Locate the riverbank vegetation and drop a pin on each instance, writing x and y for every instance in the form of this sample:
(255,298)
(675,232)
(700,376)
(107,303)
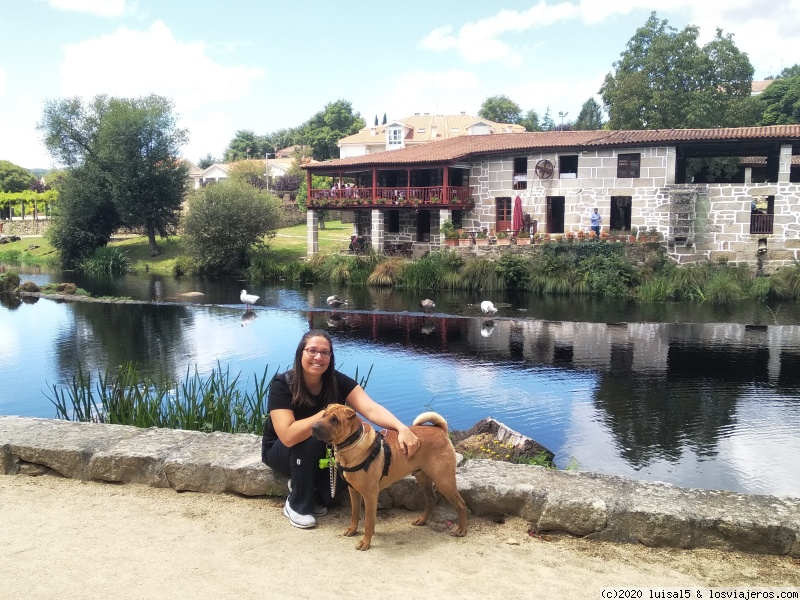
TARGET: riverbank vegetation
(640,271)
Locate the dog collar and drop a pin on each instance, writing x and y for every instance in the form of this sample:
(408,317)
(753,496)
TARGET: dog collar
(352,439)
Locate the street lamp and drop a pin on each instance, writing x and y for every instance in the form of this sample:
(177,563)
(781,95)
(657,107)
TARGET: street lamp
(562,115)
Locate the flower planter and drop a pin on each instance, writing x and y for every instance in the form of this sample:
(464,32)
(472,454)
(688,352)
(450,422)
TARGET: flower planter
(503,241)
(464,242)
(451,242)
(524,241)
(482,242)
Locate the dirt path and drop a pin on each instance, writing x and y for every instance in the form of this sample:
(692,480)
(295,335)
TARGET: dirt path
(69,539)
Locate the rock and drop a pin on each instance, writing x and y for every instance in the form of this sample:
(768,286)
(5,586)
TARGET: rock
(501,443)
(28,286)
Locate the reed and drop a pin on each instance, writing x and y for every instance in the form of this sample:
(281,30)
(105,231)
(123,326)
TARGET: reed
(213,403)
(107,261)
(657,289)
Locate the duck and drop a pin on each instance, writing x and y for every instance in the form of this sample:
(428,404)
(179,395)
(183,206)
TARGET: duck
(427,304)
(334,302)
(248,299)
(488,308)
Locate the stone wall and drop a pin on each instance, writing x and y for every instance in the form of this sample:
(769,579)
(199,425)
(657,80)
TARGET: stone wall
(582,504)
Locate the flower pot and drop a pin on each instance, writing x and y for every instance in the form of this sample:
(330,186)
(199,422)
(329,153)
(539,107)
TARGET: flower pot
(464,242)
(451,241)
(524,241)
(482,242)
(503,241)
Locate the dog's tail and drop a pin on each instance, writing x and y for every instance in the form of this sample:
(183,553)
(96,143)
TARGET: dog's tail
(432,418)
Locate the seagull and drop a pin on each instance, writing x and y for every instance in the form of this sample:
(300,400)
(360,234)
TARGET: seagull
(427,304)
(248,299)
(334,302)
(488,308)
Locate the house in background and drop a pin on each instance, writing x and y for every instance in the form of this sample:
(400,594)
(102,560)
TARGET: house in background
(419,129)
(636,179)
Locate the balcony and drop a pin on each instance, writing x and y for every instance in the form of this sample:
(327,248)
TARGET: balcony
(458,197)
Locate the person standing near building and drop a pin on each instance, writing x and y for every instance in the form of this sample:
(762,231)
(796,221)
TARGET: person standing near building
(594,222)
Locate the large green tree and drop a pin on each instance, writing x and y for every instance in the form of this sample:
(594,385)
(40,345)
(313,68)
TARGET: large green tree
(590,117)
(781,102)
(246,144)
(665,80)
(126,150)
(226,223)
(323,131)
(531,121)
(500,109)
(14,178)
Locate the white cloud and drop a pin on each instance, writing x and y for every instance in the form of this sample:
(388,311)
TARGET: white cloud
(480,42)
(99,8)
(132,63)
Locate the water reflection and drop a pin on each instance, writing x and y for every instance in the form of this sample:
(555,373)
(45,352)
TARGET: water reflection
(700,404)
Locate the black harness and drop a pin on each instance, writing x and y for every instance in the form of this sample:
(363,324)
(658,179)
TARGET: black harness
(376,450)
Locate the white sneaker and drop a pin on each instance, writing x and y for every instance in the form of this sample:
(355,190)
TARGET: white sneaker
(319,510)
(298,520)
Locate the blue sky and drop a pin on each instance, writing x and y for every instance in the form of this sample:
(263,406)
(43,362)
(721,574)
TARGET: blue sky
(263,65)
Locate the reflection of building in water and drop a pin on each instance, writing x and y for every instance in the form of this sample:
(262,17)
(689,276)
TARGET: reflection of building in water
(727,350)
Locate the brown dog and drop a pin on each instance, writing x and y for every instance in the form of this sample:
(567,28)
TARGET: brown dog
(359,451)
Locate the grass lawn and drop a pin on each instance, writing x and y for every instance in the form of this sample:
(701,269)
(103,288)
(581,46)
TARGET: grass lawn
(287,246)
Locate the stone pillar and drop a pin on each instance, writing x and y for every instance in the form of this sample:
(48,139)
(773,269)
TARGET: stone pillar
(377,230)
(748,174)
(785,163)
(312,232)
(444,214)
(671,165)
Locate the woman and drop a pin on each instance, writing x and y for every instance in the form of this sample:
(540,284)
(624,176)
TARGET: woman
(297,399)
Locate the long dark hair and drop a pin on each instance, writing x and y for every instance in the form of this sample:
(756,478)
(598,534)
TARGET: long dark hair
(330,389)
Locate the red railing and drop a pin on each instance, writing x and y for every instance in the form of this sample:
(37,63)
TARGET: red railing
(761,223)
(403,196)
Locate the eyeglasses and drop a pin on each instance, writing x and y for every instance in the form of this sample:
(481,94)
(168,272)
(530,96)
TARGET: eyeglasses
(312,352)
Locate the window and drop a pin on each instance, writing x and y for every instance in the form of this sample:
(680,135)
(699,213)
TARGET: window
(458,218)
(568,167)
(394,137)
(628,165)
(762,214)
(393,221)
(520,177)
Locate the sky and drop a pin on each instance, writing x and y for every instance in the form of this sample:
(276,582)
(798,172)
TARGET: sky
(263,65)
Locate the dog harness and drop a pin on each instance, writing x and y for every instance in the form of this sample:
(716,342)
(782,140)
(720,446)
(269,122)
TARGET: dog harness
(376,450)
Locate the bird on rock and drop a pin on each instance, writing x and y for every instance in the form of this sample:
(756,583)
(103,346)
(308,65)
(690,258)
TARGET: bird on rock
(248,299)
(427,304)
(488,308)
(334,302)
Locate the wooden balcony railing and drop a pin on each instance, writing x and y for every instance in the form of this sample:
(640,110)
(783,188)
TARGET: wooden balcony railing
(761,223)
(400,196)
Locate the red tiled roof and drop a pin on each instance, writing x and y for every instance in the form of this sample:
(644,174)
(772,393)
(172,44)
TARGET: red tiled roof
(462,147)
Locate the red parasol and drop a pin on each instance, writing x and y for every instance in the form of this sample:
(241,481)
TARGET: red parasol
(516,216)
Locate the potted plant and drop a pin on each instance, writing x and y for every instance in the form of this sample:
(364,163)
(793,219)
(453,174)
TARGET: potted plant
(653,235)
(523,237)
(604,235)
(538,238)
(448,232)
(464,239)
(503,239)
(570,236)
(581,235)
(632,234)
(482,239)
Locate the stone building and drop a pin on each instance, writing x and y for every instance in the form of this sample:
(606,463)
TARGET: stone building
(655,181)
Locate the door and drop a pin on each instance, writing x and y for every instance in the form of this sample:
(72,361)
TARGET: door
(503,214)
(620,213)
(555,214)
(424,226)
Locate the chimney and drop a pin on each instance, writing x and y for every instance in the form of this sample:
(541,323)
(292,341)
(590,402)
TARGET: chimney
(373,131)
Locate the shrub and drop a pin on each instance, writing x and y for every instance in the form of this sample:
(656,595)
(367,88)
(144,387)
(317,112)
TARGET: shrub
(8,282)
(107,261)
(226,223)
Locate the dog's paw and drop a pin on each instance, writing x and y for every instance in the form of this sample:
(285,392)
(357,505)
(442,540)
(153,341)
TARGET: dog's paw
(363,544)
(459,532)
(350,532)
(419,521)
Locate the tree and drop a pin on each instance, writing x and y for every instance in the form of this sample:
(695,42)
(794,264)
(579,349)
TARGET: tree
(14,178)
(207,161)
(590,117)
(781,102)
(324,130)
(500,109)
(665,80)
(127,150)
(246,144)
(384,119)
(531,121)
(226,223)
(376,120)
(547,121)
